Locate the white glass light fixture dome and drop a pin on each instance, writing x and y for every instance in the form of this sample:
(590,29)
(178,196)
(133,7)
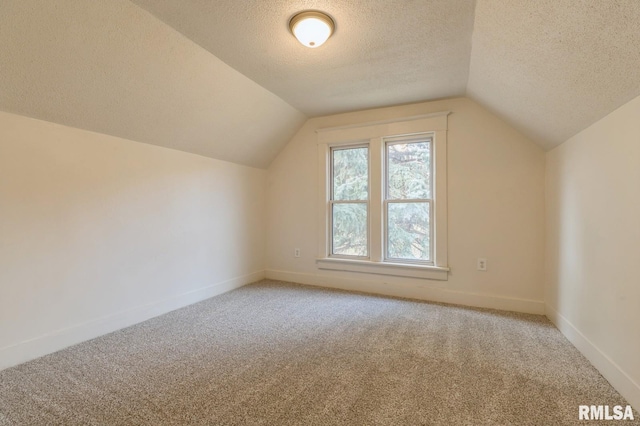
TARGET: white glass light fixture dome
(312,28)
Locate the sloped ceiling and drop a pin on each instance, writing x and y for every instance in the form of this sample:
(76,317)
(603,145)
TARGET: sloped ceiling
(111,67)
(383,52)
(554,67)
(225,79)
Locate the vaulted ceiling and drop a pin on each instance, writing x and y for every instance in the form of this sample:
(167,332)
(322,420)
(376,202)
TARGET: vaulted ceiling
(384,52)
(225,79)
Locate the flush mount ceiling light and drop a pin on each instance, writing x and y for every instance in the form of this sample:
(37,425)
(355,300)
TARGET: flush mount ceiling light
(312,28)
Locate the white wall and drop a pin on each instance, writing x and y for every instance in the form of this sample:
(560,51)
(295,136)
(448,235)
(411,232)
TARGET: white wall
(496,210)
(593,245)
(98,232)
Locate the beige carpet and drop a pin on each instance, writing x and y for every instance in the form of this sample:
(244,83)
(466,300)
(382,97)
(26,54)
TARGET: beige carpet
(276,353)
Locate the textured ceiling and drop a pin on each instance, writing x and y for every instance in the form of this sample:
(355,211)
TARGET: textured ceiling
(111,67)
(384,52)
(553,67)
(225,79)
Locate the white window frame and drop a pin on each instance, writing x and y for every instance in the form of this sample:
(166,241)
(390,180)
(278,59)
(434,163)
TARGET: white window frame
(374,135)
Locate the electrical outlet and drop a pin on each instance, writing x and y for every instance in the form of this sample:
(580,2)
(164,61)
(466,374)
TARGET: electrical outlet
(482,264)
(296,252)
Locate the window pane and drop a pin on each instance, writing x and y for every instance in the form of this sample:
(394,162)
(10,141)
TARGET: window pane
(351,174)
(408,235)
(409,170)
(350,229)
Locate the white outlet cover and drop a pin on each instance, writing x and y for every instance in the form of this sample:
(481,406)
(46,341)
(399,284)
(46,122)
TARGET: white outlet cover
(482,264)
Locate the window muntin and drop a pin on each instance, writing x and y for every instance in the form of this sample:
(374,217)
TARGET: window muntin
(408,200)
(349,202)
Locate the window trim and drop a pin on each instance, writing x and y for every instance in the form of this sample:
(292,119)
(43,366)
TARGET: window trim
(374,134)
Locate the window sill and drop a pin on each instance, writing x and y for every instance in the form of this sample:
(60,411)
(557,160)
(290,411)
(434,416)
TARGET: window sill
(385,268)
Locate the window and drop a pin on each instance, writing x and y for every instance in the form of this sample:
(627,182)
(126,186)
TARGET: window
(408,200)
(383,207)
(350,201)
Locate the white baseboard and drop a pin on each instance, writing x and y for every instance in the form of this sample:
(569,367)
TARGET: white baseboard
(434,294)
(60,339)
(611,371)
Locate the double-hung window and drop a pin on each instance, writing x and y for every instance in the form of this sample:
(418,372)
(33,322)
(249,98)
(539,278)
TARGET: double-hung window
(349,202)
(383,197)
(408,200)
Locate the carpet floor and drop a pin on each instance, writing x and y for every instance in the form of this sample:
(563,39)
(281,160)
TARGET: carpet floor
(275,353)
